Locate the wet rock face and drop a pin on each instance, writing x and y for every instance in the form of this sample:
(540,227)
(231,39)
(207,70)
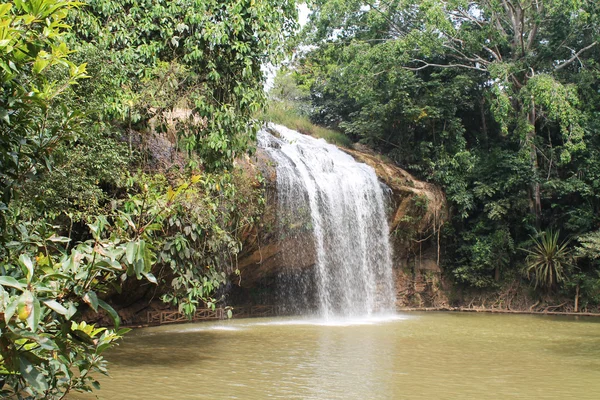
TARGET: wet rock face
(416,209)
(416,205)
(267,248)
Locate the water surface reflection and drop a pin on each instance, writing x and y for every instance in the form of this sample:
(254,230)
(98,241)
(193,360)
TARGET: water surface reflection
(421,356)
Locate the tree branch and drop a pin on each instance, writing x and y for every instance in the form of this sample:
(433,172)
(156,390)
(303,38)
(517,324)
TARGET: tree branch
(462,56)
(497,56)
(522,33)
(498,22)
(533,33)
(462,14)
(428,65)
(575,56)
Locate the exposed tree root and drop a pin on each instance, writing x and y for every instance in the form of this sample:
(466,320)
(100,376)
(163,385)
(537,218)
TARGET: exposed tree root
(534,305)
(497,311)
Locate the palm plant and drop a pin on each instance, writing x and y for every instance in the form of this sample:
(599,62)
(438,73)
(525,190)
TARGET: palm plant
(548,259)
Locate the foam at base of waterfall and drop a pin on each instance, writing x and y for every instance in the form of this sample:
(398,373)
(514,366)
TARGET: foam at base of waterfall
(376,319)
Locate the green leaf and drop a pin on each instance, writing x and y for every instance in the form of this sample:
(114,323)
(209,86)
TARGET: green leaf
(4,8)
(11,282)
(141,254)
(139,268)
(34,378)
(108,265)
(10,310)
(123,331)
(28,264)
(71,311)
(56,275)
(25,305)
(130,252)
(92,299)
(43,341)
(56,306)
(59,239)
(103,347)
(40,64)
(153,227)
(150,277)
(33,321)
(111,311)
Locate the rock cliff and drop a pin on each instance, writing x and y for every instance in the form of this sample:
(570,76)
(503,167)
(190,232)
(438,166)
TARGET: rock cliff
(417,210)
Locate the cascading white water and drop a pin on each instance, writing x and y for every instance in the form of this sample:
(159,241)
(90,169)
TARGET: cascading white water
(324,190)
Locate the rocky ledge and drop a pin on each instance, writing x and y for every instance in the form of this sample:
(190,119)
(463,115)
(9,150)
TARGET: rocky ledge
(417,210)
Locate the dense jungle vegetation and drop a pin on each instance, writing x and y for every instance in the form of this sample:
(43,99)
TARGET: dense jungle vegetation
(497,101)
(89,197)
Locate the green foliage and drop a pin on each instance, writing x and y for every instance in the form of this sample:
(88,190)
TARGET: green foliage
(589,246)
(203,56)
(83,177)
(45,351)
(482,253)
(32,122)
(287,90)
(587,274)
(560,104)
(288,115)
(497,104)
(190,234)
(196,230)
(75,222)
(548,260)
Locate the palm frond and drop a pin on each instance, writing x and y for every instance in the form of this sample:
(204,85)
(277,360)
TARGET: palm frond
(548,259)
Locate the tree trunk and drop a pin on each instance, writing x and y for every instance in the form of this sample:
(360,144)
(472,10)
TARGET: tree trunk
(577,298)
(535,200)
(484,129)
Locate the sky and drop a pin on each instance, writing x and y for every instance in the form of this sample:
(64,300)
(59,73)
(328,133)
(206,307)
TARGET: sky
(303,12)
(271,70)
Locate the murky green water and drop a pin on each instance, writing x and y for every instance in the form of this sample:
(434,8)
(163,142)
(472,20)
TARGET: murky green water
(415,356)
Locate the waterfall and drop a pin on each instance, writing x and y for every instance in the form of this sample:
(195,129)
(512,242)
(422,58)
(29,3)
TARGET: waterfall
(341,204)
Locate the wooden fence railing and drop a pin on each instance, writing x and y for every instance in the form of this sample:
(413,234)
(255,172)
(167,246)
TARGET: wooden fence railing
(170,317)
(207,314)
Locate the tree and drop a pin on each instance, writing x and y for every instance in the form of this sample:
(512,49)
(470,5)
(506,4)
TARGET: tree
(31,120)
(523,49)
(494,100)
(43,342)
(205,56)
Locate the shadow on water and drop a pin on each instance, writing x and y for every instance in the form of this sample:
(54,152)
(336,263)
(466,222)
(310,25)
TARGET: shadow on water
(568,318)
(577,348)
(173,349)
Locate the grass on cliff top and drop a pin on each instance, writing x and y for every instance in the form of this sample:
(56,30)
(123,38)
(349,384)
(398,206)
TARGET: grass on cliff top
(284,114)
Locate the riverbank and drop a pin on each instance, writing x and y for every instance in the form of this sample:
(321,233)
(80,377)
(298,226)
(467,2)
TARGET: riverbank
(496,311)
(173,317)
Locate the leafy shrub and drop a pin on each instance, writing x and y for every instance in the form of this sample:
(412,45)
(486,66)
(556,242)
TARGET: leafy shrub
(45,351)
(548,260)
(287,115)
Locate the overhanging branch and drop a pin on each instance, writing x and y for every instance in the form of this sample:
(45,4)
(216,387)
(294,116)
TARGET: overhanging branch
(428,65)
(575,56)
